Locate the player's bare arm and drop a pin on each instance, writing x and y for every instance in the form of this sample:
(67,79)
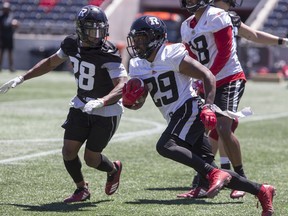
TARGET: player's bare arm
(116,93)
(193,68)
(44,66)
(257,36)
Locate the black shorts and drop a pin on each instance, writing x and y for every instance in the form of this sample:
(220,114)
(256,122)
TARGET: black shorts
(185,123)
(187,127)
(95,130)
(7,43)
(228,95)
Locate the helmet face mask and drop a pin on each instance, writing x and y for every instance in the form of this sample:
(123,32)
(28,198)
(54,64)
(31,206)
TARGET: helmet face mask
(92,26)
(193,7)
(147,33)
(138,43)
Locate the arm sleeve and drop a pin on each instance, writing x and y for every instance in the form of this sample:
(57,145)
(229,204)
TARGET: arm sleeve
(175,54)
(61,54)
(224,41)
(115,69)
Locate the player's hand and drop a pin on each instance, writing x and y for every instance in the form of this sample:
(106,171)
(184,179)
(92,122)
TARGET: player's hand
(93,104)
(208,117)
(130,97)
(11,84)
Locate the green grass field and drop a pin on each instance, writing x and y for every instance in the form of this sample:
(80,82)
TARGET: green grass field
(33,180)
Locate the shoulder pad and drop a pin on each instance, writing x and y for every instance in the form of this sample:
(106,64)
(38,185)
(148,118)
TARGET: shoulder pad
(69,44)
(235,18)
(109,47)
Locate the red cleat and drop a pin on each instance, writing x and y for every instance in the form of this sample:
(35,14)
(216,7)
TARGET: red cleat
(80,194)
(217,179)
(265,197)
(235,194)
(194,193)
(113,181)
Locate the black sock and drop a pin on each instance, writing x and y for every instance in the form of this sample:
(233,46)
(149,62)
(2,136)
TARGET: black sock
(239,170)
(242,184)
(226,166)
(73,167)
(106,165)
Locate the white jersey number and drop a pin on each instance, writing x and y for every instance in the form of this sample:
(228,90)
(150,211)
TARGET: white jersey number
(86,72)
(165,86)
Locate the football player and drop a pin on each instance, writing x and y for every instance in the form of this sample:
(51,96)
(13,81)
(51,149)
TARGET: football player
(242,30)
(168,72)
(208,36)
(96,108)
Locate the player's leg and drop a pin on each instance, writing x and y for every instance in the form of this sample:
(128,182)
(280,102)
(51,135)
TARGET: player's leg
(11,60)
(200,184)
(185,127)
(1,57)
(227,98)
(224,159)
(76,132)
(103,128)
(264,192)
(217,145)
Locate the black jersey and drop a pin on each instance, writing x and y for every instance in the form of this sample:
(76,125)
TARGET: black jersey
(91,66)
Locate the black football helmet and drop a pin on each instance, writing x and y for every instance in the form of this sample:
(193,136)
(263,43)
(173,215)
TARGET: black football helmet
(147,33)
(92,26)
(192,8)
(234,3)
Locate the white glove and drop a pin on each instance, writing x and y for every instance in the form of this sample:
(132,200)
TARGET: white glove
(11,84)
(93,104)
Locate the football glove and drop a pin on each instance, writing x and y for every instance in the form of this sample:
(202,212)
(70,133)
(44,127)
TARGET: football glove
(93,104)
(11,84)
(208,117)
(131,97)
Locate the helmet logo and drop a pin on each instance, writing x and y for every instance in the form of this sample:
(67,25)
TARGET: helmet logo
(83,12)
(154,21)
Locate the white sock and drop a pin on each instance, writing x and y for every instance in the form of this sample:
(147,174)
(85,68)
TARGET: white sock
(224,160)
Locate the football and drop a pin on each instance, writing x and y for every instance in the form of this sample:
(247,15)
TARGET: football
(134,92)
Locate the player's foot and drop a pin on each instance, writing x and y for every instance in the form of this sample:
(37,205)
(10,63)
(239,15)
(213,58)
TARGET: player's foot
(194,193)
(113,181)
(265,197)
(236,194)
(217,179)
(199,181)
(80,194)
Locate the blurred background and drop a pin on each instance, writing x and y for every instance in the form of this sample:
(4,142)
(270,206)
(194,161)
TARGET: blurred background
(44,23)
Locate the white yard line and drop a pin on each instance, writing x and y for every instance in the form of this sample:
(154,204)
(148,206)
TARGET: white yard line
(157,128)
(25,157)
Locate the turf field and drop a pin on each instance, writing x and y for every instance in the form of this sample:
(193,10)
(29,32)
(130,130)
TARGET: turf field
(33,180)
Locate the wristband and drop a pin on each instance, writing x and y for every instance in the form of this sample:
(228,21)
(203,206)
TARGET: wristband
(21,78)
(280,41)
(209,106)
